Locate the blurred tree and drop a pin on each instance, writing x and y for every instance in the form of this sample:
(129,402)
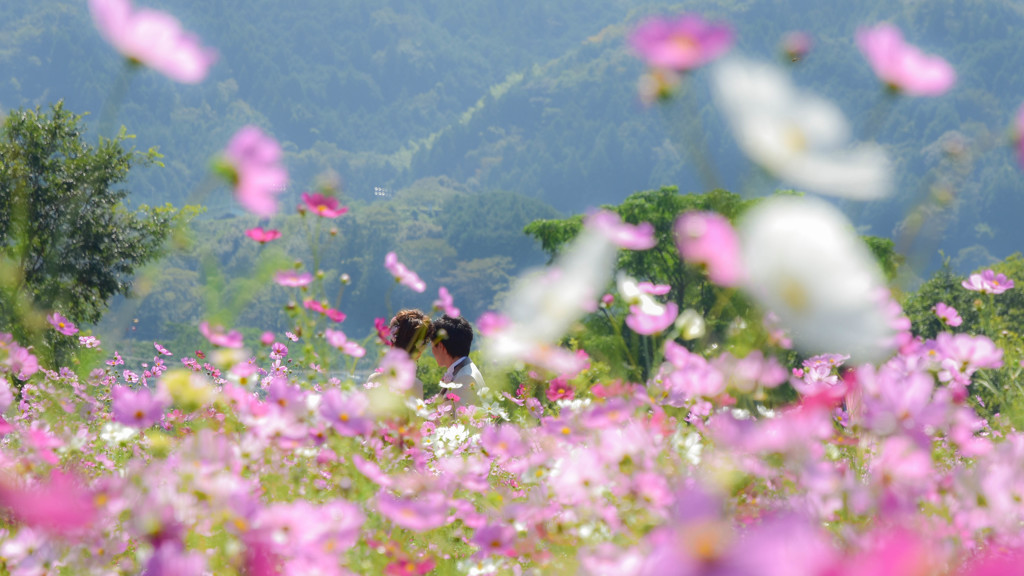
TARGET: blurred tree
(67,240)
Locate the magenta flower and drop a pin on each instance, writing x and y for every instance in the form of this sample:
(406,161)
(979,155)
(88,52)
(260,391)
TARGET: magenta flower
(293,279)
(496,539)
(426,512)
(682,44)
(324,206)
(219,337)
(137,408)
(948,314)
(988,282)
(903,67)
(402,274)
(263,236)
(152,38)
(707,239)
(347,414)
(162,350)
(252,163)
(445,302)
(623,235)
(560,389)
(62,324)
(337,339)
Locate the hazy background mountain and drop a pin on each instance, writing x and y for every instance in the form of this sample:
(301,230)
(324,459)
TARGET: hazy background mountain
(478,117)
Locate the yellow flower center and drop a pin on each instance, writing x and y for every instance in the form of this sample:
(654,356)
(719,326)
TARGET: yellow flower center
(795,295)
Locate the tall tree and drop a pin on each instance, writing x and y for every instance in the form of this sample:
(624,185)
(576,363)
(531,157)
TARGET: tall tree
(68,242)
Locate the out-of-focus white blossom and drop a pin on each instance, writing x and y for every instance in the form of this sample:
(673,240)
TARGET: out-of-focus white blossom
(800,138)
(805,263)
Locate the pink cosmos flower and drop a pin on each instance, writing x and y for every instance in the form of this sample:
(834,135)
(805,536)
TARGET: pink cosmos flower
(347,414)
(681,44)
(380,325)
(22,362)
(397,370)
(402,274)
(560,389)
(796,45)
(337,339)
(707,239)
(137,408)
(263,236)
(152,38)
(988,282)
(219,337)
(324,206)
(623,235)
(645,322)
(60,505)
(948,314)
(491,322)
(62,324)
(293,279)
(88,341)
(253,166)
(425,512)
(496,539)
(904,67)
(1018,134)
(162,350)
(445,302)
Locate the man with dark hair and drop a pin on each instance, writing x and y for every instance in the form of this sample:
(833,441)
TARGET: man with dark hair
(452,339)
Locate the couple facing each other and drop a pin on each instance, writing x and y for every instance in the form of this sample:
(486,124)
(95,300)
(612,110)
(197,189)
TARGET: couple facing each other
(450,340)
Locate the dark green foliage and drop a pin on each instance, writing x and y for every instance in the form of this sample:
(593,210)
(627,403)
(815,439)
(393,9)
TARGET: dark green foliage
(67,240)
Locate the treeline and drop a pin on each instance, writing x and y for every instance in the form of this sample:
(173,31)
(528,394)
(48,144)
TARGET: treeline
(539,99)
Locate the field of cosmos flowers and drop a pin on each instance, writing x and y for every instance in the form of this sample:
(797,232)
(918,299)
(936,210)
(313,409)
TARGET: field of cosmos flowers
(264,457)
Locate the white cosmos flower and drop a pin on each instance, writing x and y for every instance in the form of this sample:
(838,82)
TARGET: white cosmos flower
(805,263)
(800,138)
(543,304)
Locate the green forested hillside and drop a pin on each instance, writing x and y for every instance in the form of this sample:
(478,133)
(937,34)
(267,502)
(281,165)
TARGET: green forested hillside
(448,103)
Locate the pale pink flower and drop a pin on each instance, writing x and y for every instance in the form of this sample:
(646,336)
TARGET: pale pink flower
(496,539)
(988,282)
(1017,133)
(152,38)
(60,505)
(253,166)
(321,205)
(346,413)
(88,341)
(293,279)
(903,67)
(948,314)
(645,322)
(397,370)
(161,349)
(491,322)
(137,408)
(796,45)
(421,513)
(682,44)
(263,236)
(22,362)
(622,234)
(337,339)
(218,336)
(707,239)
(445,302)
(62,324)
(402,274)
